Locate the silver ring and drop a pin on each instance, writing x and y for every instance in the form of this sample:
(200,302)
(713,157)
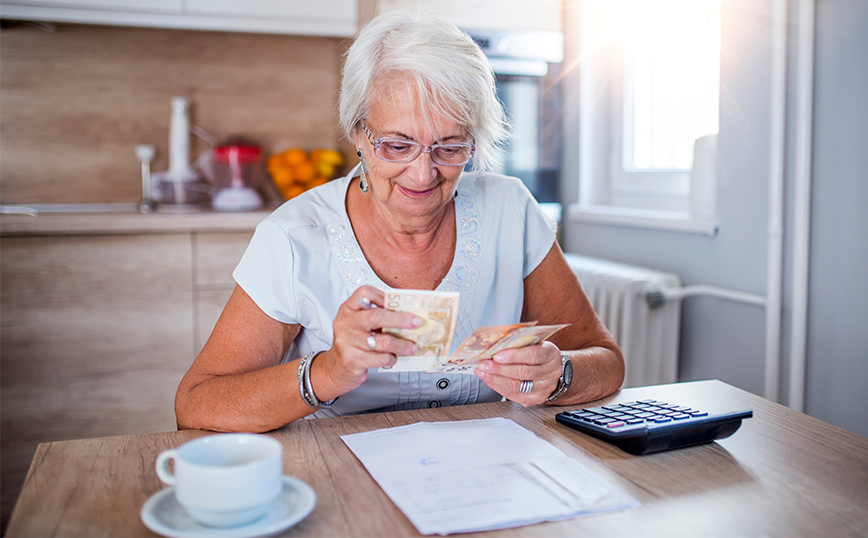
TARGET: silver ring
(526,386)
(372,342)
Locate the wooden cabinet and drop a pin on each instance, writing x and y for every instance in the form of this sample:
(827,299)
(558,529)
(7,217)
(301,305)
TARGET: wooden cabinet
(540,15)
(215,257)
(337,18)
(97,329)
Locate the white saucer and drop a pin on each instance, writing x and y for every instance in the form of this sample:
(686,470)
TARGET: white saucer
(163,515)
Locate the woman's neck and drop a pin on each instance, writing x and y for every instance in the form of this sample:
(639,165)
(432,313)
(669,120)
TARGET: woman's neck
(412,252)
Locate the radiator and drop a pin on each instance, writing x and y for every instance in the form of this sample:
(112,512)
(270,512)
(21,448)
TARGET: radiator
(648,337)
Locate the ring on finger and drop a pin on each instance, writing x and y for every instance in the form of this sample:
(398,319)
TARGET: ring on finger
(372,342)
(526,386)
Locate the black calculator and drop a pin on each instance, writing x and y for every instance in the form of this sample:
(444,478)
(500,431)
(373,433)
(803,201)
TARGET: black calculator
(648,426)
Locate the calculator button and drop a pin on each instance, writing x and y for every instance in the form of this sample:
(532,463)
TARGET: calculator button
(699,414)
(616,424)
(680,416)
(645,415)
(659,420)
(635,421)
(604,421)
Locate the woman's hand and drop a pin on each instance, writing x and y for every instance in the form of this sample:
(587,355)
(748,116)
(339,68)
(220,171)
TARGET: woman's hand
(360,344)
(505,373)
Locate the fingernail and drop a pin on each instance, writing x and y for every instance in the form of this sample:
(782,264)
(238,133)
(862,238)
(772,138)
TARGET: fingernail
(484,367)
(499,358)
(417,321)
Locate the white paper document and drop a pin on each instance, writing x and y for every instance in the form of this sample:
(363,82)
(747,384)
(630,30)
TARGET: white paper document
(477,475)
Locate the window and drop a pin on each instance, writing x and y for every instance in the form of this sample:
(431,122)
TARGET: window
(649,76)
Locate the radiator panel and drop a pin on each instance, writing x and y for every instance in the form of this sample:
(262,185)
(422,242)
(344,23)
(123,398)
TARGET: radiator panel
(648,338)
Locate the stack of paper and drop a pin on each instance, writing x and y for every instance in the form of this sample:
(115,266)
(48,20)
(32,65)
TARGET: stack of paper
(477,475)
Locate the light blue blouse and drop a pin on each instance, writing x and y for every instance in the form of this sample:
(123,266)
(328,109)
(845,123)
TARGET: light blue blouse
(304,261)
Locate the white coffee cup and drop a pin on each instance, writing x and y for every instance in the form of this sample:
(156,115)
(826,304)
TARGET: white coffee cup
(227,479)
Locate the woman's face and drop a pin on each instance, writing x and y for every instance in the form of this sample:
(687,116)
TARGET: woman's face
(421,188)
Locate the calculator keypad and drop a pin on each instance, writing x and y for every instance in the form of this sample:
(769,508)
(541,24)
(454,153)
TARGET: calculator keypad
(638,414)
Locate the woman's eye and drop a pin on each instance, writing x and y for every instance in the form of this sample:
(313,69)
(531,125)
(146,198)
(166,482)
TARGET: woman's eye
(449,150)
(397,147)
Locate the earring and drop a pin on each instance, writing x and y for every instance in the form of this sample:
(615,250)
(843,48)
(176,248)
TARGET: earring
(363,181)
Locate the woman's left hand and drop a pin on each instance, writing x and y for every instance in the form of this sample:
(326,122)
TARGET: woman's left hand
(540,365)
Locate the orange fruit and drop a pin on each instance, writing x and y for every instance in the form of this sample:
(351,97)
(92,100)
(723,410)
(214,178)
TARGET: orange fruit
(325,169)
(304,172)
(274,162)
(292,191)
(294,156)
(317,181)
(282,176)
(329,156)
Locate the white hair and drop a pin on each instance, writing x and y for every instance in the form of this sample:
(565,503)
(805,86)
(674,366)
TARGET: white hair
(448,72)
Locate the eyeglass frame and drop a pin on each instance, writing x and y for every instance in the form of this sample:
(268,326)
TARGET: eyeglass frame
(377,143)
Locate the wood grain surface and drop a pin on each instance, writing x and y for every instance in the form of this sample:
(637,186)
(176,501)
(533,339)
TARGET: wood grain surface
(782,474)
(78,99)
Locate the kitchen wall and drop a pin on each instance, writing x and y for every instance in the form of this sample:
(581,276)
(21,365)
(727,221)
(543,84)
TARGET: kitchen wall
(77,99)
(726,340)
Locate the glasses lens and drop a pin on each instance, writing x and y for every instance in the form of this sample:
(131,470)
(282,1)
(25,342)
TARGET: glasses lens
(402,151)
(398,150)
(452,154)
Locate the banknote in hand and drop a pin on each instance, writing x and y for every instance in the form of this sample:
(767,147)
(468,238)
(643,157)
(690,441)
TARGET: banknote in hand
(439,309)
(485,342)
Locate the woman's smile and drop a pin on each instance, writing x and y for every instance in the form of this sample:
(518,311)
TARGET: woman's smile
(412,193)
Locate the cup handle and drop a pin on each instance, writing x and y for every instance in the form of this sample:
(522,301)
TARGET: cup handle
(163,466)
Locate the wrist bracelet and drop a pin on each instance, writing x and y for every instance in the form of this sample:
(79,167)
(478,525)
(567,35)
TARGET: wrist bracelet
(305,387)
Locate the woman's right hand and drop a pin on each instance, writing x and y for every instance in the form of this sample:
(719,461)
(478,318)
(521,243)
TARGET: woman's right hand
(359,343)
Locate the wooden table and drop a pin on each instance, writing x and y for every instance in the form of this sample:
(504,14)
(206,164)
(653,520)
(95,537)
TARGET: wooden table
(782,474)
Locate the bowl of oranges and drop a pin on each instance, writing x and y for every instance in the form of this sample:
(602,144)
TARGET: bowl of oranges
(295,170)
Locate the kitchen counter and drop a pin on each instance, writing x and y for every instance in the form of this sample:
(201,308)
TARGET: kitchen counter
(104,309)
(127,222)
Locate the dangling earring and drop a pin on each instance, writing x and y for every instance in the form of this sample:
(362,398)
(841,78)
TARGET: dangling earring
(363,181)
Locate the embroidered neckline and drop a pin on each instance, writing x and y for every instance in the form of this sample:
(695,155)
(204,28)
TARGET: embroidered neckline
(466,262)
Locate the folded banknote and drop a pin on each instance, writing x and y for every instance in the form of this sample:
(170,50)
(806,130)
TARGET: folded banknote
(439,309)
(434,337)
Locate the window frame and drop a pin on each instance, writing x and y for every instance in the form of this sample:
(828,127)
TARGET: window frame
(607,192)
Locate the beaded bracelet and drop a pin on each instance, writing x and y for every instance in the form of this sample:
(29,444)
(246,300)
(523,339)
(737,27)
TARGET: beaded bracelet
(305,387)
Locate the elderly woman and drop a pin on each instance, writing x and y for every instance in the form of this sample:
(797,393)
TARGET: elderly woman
(418,102)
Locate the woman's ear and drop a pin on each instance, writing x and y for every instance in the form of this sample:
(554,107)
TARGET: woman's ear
(358,138)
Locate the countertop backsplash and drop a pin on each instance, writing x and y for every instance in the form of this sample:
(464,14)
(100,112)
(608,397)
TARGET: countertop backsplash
(77,99)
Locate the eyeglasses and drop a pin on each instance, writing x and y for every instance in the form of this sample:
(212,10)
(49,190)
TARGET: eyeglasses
(397,150)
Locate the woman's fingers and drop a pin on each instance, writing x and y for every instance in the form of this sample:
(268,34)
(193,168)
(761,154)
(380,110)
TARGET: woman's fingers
(527,375)
(358,338)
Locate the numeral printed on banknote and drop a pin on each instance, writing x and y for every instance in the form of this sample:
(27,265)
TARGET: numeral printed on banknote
(439,309)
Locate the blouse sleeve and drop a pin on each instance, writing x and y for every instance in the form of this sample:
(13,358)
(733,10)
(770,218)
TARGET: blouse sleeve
(266,273)
(540,232)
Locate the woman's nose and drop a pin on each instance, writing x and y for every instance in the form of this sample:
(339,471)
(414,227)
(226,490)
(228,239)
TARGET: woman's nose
(424,168)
